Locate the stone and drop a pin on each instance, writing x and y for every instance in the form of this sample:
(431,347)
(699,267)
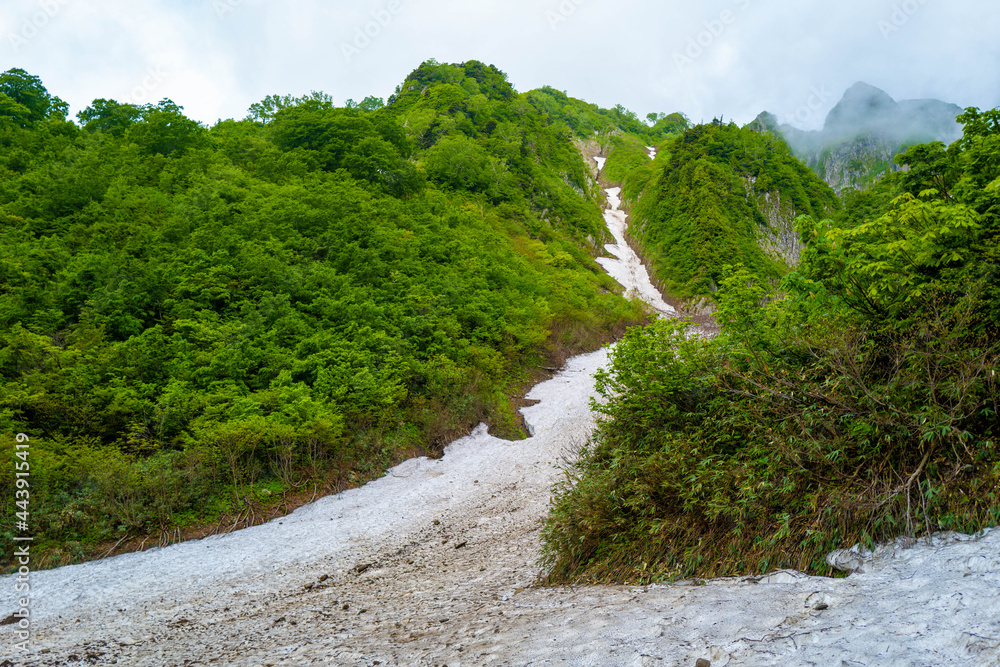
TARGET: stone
(846,560)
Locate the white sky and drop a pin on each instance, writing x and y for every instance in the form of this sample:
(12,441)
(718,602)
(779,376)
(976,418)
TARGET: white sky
(795,59)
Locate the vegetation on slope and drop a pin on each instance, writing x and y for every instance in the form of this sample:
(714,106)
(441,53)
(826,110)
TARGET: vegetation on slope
(703,212)
(195,322)
(715,195)
(587,120)
(859,403)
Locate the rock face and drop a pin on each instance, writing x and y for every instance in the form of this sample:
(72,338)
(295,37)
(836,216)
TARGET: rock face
(862,106)
(855,163)
(779,238)
(864,132)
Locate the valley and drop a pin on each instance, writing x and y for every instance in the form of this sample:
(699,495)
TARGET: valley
(436,563)
(786,456)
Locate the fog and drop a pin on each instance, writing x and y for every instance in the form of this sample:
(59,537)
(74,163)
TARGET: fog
(730,58)
(866,110)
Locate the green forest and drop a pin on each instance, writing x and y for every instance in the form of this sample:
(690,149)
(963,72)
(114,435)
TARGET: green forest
(202,326)
(709,199)
(852,401)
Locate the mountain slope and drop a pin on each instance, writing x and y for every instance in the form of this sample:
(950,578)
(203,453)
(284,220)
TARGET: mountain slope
(197,322)
(864,132)
(853,403)
(716,196)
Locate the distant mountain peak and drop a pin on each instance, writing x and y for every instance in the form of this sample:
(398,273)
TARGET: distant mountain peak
(864,132)
(861,105)
(866,90)
(765,122)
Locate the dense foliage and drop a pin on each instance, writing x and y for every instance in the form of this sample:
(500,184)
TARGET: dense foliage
(716,195)
(194,320)
(587,120)
(856,404)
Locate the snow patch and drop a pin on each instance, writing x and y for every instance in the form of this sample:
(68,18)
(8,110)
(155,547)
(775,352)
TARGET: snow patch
(626,267)
(434,564)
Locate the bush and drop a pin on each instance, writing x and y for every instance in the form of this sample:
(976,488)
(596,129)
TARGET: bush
(856,405)
(768,449)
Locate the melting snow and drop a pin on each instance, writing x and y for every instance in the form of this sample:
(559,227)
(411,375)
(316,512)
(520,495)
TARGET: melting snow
(434,562)
(627,268)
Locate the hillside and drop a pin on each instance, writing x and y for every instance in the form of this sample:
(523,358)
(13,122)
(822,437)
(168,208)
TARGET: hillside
(853,403)
(208,328)
(435,563)
(715,196)
(202,327)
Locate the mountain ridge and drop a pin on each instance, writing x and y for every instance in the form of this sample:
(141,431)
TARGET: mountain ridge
(863,132)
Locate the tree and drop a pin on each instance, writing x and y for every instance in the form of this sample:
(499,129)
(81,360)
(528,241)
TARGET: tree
(164,130)
(110,116)
(265,110)
(371,103)
(458,162)
(25,100)
(930,168)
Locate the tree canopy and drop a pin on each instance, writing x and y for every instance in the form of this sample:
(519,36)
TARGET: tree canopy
(854,402)
(192,315)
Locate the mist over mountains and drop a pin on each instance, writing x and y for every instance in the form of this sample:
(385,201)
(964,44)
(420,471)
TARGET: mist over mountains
(864,132)
(869,109)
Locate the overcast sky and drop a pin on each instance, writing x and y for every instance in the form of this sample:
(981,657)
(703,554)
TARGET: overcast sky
(728,57)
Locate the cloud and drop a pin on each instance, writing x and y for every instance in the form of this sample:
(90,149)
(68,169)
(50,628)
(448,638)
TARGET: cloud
(742,56)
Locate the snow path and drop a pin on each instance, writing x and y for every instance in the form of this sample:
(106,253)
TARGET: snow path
(433,564)
(628,269)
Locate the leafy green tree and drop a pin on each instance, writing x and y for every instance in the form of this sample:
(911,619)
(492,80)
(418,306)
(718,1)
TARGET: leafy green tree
(331,133)
(110,116)
(884,267)
(372,103)
(265,110)
(928,167)
(980,163)
(24,100)
(458,162)
(164,130)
